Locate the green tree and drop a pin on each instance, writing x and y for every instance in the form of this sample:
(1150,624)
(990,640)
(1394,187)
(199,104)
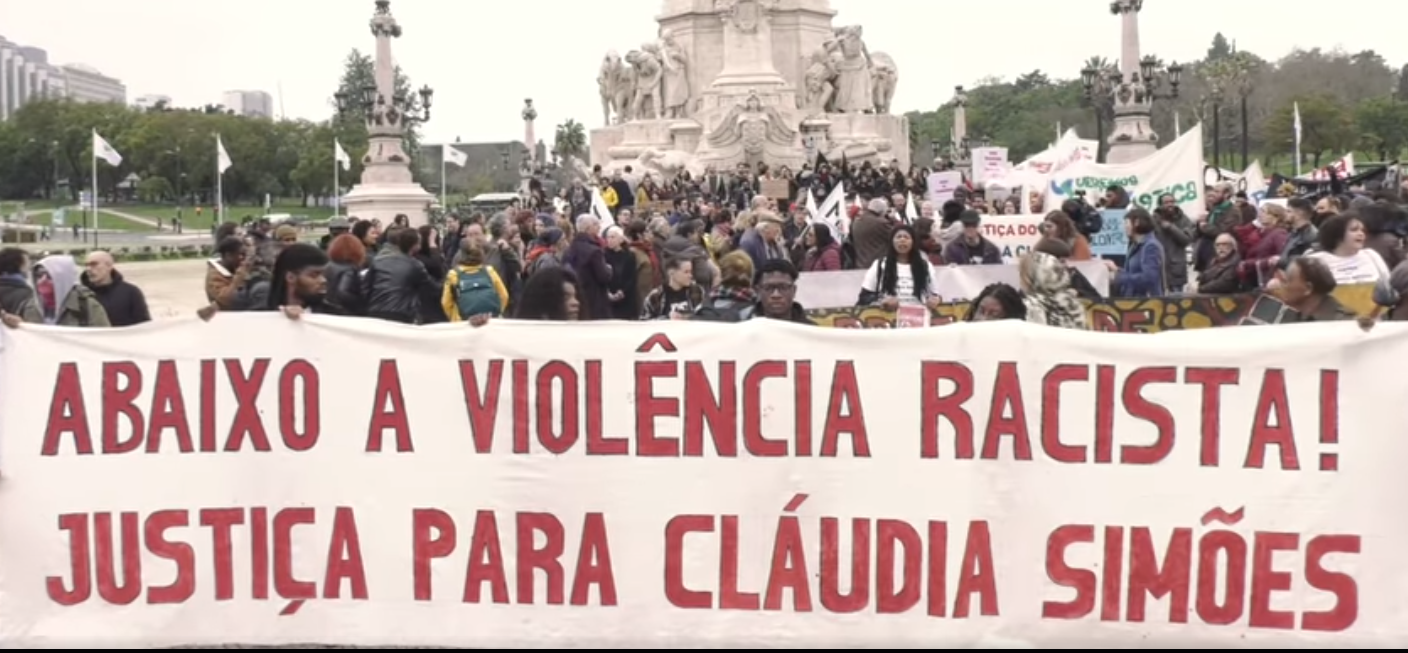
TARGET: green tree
(570,140)
(1326,124)
(1221,48)
(359,73)
(1383,126)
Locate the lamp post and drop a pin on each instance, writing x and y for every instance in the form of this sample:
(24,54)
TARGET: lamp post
(1133,101)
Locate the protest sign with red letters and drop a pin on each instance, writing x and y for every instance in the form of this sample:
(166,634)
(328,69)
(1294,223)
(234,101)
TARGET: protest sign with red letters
(261,480)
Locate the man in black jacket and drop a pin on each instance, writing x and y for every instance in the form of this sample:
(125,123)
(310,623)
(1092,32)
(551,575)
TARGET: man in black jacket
(395,282)
(125,304)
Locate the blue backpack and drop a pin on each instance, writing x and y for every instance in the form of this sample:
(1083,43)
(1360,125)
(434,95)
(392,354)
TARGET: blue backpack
(475,294)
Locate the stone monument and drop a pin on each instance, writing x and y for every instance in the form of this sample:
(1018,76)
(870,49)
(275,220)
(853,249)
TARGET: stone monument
(1135,90)
(747,81)
(386,188)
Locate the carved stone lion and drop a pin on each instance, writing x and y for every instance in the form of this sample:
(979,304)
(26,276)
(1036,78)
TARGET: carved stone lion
(884,75)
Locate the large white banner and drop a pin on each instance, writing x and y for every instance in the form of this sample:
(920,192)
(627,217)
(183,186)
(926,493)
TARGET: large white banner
(1069,150)
(955,283)
(265,481)
(1176,169)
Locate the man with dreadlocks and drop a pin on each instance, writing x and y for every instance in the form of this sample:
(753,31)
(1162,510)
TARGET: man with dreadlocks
(296,284)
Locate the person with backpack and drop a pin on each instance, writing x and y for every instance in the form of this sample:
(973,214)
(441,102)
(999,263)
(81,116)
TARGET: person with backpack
(472,288)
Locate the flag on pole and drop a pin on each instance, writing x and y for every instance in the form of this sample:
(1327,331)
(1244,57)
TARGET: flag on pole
(833,212)
(600,209)
(341,155)
(455,156)
(222,156)
(1297,123)
(812,211)
(1297,127)
(106,152)
(911,212)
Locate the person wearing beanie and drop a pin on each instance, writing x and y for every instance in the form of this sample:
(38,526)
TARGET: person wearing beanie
(870,233)
(546,251)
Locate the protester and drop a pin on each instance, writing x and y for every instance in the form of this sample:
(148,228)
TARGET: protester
(63,300)
(546,251)
(972,247)
(734,300)
(299,286)
(649,273)
(124,303)
(1143,275)
(1342,249)
(1079,283)
(17,298)
(870,234)
(823,252)
(776,285)
(396,283)
(337,226)
(903,276)
(550,295)
(1059,226)
(621,289)
(1307,289)
(227,274)
(473,288)
(1175,233)
(1047,293)
(586,257)
(346,261)
(1220,277)
(678,298)
(1257,264)
(997,301)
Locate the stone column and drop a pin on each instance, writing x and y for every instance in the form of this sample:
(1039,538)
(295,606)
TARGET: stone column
(529,115)
(1132,137)
(960,118)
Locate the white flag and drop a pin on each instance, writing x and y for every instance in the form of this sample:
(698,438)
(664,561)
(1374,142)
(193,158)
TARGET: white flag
(911,212)
(223,157)
(600,209)
(1297,125)
(103,151)
(455,156)
(812,209)
(833,212)
(341,155)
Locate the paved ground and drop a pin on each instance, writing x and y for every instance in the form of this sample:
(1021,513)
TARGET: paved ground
(173,288)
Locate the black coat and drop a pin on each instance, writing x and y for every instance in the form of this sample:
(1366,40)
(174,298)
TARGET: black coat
(125,304)
(394,285)
(586,257)
(623,280)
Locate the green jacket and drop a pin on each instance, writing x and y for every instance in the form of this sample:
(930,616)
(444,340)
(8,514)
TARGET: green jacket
(82,309)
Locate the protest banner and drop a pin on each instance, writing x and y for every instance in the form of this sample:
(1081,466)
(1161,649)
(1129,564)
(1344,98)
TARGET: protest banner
(1065,152)
(942,185)
(818,290)
(1175,170)
(989,163)
(750,485)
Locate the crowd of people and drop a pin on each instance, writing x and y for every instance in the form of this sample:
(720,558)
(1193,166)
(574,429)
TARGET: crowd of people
(723,251)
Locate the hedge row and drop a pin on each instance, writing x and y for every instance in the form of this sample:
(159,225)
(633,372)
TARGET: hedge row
(145,253)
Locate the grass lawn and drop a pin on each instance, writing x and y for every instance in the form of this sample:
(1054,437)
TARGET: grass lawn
(8,207)
(105,222)
(236,213)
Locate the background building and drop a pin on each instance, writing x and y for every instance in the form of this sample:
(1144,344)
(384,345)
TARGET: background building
(249,103)
(491,168)
(149,101)
(26,74)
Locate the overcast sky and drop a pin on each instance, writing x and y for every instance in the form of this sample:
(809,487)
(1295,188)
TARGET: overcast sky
(483,57)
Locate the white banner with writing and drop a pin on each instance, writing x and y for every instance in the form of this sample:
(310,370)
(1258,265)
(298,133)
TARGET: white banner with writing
(955,283)
(260,480)
(1176,170)
(989,163)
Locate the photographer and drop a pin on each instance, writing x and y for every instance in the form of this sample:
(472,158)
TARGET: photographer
(1175,231)
(1088,220)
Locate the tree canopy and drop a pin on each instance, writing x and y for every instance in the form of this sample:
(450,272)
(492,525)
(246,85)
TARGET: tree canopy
(1348,102)
(172,150)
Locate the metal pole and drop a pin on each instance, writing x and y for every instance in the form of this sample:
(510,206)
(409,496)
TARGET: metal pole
(1245,136)
(1217,135)
(94,201)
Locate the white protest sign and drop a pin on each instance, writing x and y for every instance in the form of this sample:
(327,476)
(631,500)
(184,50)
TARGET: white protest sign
(1174,170)
(754,485)
(989,163)
(942,186)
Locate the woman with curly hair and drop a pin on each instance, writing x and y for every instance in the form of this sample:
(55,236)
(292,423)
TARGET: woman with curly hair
(998,301)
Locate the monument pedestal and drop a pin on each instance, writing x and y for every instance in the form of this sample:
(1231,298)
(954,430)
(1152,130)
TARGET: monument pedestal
(387,188)
(384,203)
(1133,137)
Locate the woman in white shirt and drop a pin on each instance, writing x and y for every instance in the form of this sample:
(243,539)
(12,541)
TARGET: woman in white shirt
(902,276)
(1342,250)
